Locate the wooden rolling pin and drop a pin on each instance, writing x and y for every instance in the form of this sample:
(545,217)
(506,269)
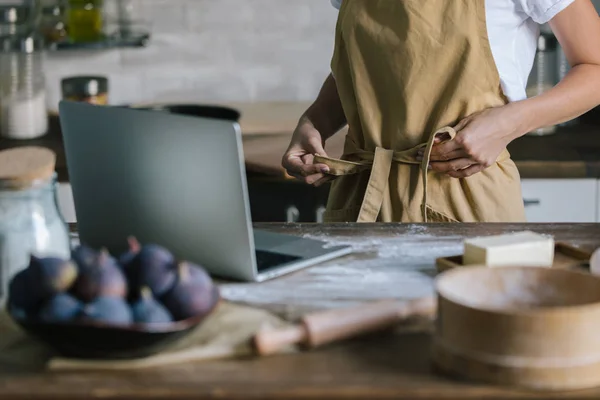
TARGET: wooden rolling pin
(329,326)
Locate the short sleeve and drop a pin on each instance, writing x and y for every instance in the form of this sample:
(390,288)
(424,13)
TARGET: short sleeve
(336,3)
(542,11)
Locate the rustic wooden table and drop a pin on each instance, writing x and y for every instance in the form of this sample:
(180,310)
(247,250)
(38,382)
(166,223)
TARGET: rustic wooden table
(389,261)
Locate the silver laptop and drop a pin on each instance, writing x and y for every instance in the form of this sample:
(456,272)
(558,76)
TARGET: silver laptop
(177,181)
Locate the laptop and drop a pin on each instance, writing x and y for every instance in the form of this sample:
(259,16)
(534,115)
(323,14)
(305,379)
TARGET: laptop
(177,181)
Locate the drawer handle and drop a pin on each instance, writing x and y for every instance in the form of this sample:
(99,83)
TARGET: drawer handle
(292,214)
(531,202)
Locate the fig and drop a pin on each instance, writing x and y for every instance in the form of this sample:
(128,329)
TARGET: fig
(103,277)
(134,248)
(84,256)
(61,308)
(154,267)
(51,276)
(23,301)
(148,310)
(108,310)
(192,294)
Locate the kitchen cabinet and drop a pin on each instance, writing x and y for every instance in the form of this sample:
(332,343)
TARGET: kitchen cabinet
(561,200)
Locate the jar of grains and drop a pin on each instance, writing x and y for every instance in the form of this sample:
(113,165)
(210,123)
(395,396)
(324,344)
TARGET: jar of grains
(30,220)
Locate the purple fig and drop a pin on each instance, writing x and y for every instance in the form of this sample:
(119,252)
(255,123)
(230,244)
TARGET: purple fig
(192,294)
(154,267)
(84,256)
(108,310)
(61,308)
(147,310)
(134,248)
(103,277)
(51,276)
(22,300)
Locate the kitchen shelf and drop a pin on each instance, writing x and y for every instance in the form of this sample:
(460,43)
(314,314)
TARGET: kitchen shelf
(134,41)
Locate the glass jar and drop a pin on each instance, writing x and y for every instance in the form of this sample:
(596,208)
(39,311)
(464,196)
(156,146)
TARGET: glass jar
(544,75)
(85,19)
(18,17)
(89,89)
(30,220)
(23,113)
(52,23)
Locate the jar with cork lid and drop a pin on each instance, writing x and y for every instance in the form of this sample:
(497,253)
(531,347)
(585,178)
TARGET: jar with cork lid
(30,221)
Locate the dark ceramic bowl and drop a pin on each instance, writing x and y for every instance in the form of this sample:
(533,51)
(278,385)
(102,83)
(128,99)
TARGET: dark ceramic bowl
(99,341)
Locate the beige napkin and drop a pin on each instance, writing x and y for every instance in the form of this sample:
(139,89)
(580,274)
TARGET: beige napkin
(226,333)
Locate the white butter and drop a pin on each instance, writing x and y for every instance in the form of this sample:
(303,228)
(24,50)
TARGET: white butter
(524,249)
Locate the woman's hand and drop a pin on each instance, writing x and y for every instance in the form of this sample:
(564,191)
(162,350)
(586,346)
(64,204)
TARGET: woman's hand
(298,159)
(480,139)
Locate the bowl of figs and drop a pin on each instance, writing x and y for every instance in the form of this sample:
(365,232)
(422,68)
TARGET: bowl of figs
(100,306)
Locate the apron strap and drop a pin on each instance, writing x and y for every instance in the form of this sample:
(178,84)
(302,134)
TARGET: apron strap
(380,164)
(378,183)
(425,164)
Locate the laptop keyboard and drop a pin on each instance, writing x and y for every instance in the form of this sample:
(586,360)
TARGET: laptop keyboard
(266,259)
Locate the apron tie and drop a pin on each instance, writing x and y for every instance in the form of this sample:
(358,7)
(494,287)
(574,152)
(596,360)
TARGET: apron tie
(380,164)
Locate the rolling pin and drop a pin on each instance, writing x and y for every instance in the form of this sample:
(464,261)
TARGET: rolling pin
(325,327)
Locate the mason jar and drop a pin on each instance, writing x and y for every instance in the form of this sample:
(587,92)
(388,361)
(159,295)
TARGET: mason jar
(30,220)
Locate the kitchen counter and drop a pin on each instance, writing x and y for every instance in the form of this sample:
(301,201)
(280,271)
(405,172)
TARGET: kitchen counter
(573,152)
(390,260)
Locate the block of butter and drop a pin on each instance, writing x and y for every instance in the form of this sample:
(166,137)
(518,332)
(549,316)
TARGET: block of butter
(524,249)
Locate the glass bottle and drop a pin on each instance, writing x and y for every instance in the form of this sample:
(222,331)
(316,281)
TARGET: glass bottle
(53,21)
(18,17)
(544,75)
(85,19)
(30,220)
(23,113)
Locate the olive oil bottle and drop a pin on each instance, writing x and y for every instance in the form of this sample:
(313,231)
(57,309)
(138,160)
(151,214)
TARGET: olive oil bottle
(85,20)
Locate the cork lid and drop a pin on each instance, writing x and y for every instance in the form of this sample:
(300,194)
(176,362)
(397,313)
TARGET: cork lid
(20,167)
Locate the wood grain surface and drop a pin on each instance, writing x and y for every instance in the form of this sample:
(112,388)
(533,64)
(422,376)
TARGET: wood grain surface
(390,260)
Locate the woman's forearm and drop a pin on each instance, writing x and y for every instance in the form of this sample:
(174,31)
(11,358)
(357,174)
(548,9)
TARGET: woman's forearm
(576,94)
(577,29)
(326,113)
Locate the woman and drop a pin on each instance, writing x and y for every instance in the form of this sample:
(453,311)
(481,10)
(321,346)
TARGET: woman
(433,91)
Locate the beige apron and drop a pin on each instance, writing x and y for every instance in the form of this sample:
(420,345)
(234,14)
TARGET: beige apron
(407,70)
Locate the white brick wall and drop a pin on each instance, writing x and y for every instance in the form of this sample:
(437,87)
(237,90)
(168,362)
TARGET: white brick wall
(214,50)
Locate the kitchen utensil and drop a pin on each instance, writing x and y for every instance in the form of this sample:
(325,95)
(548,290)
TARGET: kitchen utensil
(89,89)
(334,325)
(565,257)
(535,328)
(98,341)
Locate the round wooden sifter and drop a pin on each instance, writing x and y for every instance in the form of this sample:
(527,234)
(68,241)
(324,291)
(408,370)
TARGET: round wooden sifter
(536,328)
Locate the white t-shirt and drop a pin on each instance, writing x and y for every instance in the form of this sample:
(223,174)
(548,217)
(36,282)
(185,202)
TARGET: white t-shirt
(513,31)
